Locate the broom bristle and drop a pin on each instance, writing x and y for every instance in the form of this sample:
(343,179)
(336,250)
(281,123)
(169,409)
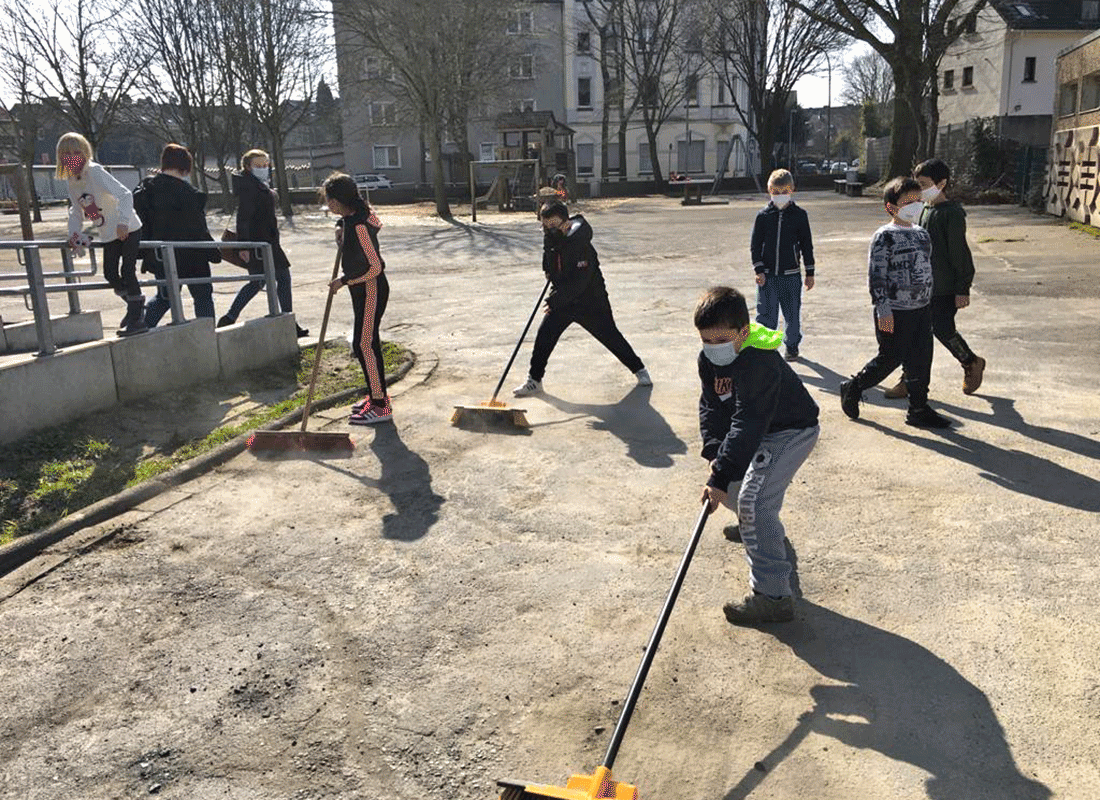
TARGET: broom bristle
(298,440)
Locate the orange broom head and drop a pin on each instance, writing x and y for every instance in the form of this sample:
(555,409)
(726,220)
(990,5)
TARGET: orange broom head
(279,441)
(597,786)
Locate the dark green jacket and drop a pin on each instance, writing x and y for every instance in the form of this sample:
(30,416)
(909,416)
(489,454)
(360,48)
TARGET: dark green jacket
(952,264)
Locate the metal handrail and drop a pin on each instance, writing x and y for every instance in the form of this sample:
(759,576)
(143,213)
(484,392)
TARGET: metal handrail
(37,290)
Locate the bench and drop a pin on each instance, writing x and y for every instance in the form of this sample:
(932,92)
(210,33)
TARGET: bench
(693,190)
(850,188)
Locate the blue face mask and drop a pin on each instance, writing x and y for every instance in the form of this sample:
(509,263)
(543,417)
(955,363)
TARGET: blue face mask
(262,173)
(720,355)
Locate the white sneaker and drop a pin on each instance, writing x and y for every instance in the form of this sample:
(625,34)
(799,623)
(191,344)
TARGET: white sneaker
(643,377)
(530,387)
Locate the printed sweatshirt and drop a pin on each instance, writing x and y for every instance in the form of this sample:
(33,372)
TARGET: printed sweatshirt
(361,260)
(572,265)
(97,197)
(899,272)
(744,401)
(781,241)
(952,263)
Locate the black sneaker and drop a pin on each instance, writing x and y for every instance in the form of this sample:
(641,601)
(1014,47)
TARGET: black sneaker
(758,608)
(925,417)
(792,354)
(733,533)
(850,395)
(302,332)
(225,321)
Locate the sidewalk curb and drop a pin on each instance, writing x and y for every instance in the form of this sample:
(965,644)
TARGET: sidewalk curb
(23,549)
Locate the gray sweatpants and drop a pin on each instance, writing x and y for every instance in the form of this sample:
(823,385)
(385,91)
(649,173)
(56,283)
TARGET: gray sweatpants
(759,501)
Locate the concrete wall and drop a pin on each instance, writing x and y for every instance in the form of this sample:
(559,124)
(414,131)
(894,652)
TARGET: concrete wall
(1072,186)
(19,337)
(41,391)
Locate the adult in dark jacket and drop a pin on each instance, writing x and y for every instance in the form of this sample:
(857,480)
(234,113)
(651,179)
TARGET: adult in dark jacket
(578,295)
(172,210)
(256,223)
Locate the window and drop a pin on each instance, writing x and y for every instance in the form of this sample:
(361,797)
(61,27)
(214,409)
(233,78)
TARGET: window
(949,80)
(383,113)
(721,92)
(520,22)
(387,156)
(586,155)
(488,151)
(1029,69)
(1024,10)
(645,164)
(968,77)
(613,166)
(650,91)
(584,42)
(970,25)
(1090,10)
(377,69)
(523,68)
(584,92)
(689,155)
(524,105)
(691,90)
(1067,99)
(1090,92)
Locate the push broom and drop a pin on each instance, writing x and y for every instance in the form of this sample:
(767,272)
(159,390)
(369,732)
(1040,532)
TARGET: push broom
(495,409)
(301,439)
(599,784)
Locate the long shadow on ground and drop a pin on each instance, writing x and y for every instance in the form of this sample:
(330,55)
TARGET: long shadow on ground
(649,439)
(901,700)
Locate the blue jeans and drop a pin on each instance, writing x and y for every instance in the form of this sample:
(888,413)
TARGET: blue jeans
(201,293)
(781,291)
(252,288)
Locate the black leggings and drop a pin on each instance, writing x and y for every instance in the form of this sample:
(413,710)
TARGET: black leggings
(126,283)
(909,346)
(943,326)
(596,318)
(369,301)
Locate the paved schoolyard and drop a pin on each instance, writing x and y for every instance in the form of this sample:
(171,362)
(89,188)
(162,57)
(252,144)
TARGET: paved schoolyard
(450,606)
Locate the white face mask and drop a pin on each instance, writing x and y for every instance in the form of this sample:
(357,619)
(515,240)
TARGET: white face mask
(262,173)
(781,200)
(911,212)
(930,194)
(720,354)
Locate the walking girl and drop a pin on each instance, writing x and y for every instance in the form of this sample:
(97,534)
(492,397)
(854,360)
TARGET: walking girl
(97,197)
(365,277)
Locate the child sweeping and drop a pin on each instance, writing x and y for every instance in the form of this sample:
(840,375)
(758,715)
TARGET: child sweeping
(364,275)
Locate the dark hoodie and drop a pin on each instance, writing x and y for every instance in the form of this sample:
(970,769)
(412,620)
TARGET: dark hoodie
(572,266)
(172,210)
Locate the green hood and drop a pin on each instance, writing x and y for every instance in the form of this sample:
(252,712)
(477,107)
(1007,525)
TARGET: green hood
(762,338)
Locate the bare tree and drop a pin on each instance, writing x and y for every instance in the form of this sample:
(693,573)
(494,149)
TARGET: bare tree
(606,20)
(280,46)
(868,79)
(760,49)
(80,57)
(916,33)
(660,61)
(26,114)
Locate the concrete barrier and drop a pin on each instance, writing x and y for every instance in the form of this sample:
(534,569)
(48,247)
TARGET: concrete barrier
(37,392)
(252,344)
(86,326)
(168,357)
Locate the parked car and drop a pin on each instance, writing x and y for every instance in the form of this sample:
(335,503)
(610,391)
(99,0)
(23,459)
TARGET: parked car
(807,168)
(370,182)
(854,164)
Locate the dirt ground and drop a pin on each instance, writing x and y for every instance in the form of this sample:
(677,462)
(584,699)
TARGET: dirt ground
(448,606)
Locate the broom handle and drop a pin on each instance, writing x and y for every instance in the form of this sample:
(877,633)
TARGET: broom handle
(519,344)
(654,640)
(320,343)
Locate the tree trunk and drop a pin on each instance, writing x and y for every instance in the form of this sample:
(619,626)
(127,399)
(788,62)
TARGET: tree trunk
(435,148)
(654,156)
(605,121)
(281,180)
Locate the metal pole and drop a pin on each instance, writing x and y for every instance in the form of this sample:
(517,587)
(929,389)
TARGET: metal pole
(68,267)
(39,304)
(473,195)
(829,114)
(171,275)
(790,141)
(269,276)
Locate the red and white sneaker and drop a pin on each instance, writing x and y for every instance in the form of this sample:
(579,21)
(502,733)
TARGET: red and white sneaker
(359,406)
(372,415)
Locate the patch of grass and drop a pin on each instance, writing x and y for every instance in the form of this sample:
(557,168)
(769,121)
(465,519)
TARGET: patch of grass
(47,475)
(1091,230)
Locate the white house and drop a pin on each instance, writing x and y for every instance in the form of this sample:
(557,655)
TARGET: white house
(1003,66)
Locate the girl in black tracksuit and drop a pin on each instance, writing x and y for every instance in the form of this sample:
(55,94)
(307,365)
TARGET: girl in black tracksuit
(364,275)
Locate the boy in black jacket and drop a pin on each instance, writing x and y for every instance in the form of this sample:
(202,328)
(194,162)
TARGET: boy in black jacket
(759,424)
(578,295)
(781,240)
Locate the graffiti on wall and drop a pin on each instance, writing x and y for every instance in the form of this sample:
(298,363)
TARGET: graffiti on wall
(1072,187)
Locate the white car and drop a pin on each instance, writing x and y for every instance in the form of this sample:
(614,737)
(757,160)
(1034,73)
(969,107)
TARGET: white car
(373,182)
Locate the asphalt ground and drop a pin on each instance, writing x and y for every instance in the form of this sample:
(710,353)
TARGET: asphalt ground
(448,606)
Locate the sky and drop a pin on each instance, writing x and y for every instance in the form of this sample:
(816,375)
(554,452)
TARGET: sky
(813,90)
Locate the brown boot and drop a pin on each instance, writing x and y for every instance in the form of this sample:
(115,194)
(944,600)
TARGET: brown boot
(972,375)
(897,391)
